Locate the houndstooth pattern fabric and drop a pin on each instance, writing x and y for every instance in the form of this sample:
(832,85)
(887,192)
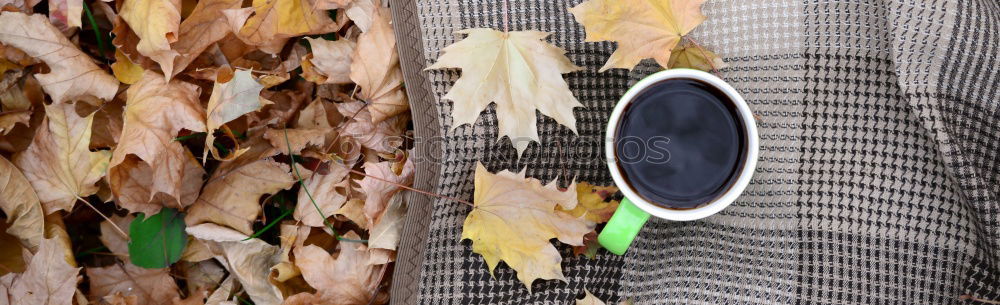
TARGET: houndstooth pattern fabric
(878,180)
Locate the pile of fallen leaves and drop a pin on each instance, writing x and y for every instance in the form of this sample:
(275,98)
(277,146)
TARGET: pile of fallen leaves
(200,152)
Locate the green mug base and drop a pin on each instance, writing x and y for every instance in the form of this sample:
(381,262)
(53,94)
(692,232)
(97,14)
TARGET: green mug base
(624,225)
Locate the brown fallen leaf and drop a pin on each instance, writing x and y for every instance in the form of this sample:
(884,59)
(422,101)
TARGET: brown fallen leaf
(9,118)
(116,243)
(59,162)
(379,191)
(274,21)
(205,26)
(73,73)
(513,220)
(375,68)
(149,286)
(329,62)
(329,192)
(292,236)
(233,95)
(49,279)
(519,72)
(382,136)
(296,139)
(642,29)
(346,280)
(156,110)
(232,199)
(156,23)
(107,126)
(21,205)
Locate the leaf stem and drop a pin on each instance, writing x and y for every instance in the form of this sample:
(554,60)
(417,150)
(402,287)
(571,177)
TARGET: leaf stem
(120,231)
(270,224)
(711,63)
(291,161)
(413,189)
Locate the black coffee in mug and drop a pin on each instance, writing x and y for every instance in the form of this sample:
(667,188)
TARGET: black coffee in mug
(681,143)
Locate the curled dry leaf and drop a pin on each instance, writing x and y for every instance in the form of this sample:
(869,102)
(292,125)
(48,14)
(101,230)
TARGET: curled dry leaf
(346,280)
(376,188)
(49,278)
(329,192)
(384,235)
(329,62)
(292,236)
(149,286)
(19,201)
(73,74)
(59,162)
(593,203)
(375,67)
(231,199)
(642,29)
(233,95)
(516,70)
(513,220)
(148,168)
(156,23)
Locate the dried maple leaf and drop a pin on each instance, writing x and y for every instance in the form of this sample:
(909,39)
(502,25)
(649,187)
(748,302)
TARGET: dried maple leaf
(73,73)
(274,21)
(516,70)
(233,95)
(642,28)
(375,68)
(49,279)
(148,168)
(380,136)
(592,202)
(156,23)
(295,140)
(346,280)
(205,26)
(19,201)
(376,188)
(149,286)
(59,162)
(513,220)
(329,192)
(329,62)
(694,57)
(230,198)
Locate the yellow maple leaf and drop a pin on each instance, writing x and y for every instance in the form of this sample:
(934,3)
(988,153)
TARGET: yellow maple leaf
(642,28)
(516,70)
(693,57)
(592,204)
(514,219)
(273,21)
(375,67)
(59,162)
(156,22)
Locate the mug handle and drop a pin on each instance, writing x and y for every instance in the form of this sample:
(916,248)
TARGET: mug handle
(623,227)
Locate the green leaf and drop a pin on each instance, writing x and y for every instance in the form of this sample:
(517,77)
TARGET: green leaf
(157,241)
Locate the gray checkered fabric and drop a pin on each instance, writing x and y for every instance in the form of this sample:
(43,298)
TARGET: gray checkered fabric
(878,180)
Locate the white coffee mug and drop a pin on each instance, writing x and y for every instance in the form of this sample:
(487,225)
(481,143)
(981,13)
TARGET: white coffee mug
(634,210)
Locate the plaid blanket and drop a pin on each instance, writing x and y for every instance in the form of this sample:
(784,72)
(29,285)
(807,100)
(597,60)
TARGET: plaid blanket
(878,180)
